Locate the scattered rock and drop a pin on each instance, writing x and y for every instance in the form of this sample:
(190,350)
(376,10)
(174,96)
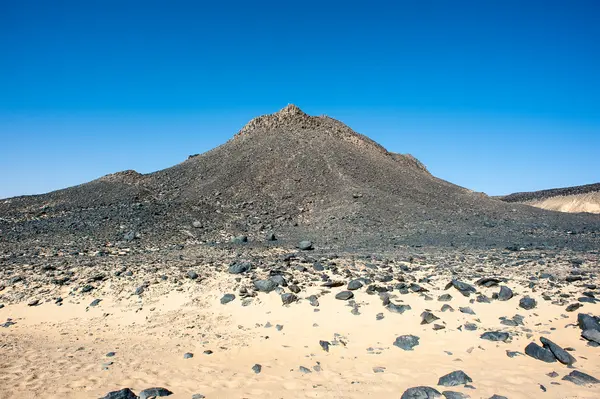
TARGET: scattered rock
(455,378)
(579,378)
(421,393)
(406,342)
(539,353)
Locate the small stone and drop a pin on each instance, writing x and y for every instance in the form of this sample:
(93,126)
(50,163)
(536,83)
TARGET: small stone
(495,336)
(355,284)
(257,368)
(505,293)
(324,345)
(288,298)
(188,355)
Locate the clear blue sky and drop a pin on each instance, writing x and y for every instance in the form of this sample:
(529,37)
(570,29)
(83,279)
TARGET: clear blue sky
(496,95)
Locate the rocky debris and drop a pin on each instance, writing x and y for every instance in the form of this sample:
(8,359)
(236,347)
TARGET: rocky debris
(466,310)
(580,378)
(421,393)
(573,307)
(495,336)
(227,298)
(344,295)
(527,303)
(95,302)
(454,378)
(188,355)
(257,368)
(539,353)
(406,342)
(192,275)
(445,298)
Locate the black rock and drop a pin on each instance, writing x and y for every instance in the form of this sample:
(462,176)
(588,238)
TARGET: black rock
(355,284)
(257,368)
(305,245)
(265,285)
(124,393)
(467,310)
(406,342)
(397,308)
(488,281)
(445,298)
(505,293)
(470,326)
(294,288)
(227,298)
(239,240)
(33,302)
(288,298)
(495,336)
(587,322)
(188,355)
(591,335)
(428,317)
(579,378)
(421,393)
(324,345)
(527,303)
(454,395)
(154,392)
(455,378)
(304,370)
(559,353)
(512,354)
(271,237)
(539,353)
(95,302)
(344,295)
(192,275)
(463,288)
(498,397)
(140,290)
(239,268)
(573,307)
(447,307)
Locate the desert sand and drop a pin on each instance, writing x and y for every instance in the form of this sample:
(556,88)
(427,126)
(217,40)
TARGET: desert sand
(54,351)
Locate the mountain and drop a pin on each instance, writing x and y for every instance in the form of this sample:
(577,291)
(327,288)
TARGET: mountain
(292,174)
(568,199)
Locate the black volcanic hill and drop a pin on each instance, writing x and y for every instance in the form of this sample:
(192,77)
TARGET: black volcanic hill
(289,173)
(553,192)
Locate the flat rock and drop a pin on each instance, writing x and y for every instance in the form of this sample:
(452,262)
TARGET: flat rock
(239,268)
(355,284)
(579,378)
(587,322)
(454,395)
(288,298)
(463,288)
(454,378)
(428,317)
(305,245)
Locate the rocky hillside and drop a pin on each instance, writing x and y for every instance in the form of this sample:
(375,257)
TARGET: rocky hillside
(569,199)
(291,174)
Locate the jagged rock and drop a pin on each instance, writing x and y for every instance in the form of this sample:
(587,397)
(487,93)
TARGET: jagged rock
(580,378)
(539,353)
(406,342)
(154,393)
(124,393)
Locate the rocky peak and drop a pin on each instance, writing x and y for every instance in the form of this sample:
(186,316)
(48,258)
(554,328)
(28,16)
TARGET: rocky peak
(285,117)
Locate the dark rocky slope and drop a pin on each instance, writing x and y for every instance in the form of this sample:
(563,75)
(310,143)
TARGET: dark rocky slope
(292,174)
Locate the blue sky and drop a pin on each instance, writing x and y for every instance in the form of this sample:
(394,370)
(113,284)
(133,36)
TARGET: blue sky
(497,96)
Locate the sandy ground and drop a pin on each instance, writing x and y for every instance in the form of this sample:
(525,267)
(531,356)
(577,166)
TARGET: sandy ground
(589,202)
(60,351)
